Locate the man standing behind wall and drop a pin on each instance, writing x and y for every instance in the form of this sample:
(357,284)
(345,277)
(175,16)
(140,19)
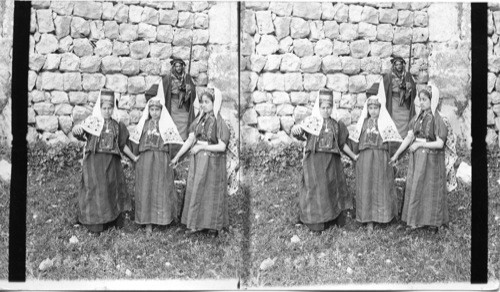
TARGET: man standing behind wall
(179,98)
(400,91)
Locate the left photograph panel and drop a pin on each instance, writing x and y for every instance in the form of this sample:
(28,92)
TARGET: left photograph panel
(133,142)
(6,33)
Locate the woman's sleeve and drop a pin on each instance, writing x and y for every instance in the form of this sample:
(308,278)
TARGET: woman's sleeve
(222,131)
(440,129)
(343,134)
(411,124)
(192,127)
(123,135)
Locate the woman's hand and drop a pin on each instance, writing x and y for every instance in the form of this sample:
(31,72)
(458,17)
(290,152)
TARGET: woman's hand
(77,130)
(355,158)
(394,160)
(136,159)
(197,148)
(296,130)
(415,146)
(173,162)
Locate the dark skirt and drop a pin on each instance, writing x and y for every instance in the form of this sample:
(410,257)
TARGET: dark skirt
(425,194)
(103,193)
(205,205)
(400,116)
(324,190)
(180,116)
(376,199)
(155,196)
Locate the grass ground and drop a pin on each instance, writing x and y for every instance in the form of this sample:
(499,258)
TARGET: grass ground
(349,254)
(120,253)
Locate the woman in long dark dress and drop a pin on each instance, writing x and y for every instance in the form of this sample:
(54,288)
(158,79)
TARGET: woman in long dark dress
(376,199)
(155,194)
(324,193)
(103,194)
(205,204)
(425,195)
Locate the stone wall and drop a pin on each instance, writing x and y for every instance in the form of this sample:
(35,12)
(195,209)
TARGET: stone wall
(6,32)
(79,47)
(292,50)
(493,117)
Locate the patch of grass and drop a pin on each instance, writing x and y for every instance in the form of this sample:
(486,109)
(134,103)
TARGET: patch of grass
(165,254)
(388,255)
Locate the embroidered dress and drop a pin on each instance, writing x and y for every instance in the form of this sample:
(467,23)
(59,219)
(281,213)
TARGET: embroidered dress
(324,192)
(375,190)
(155,196)
(425,195)
(205,204)
(103,193)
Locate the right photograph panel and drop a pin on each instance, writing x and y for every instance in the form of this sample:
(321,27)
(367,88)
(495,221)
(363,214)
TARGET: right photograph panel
(355,123)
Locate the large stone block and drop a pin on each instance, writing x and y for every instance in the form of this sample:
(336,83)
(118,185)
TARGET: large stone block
(260,97)
(110,64)
(357,83)
(82,47)
(165,33)
(69,62)
(360,48)
(314,81)
(65,124)
(401,50)
(350,65)
(182,5)
(44,108)
(268,45)
(135,13)
(355,12)
(122,12)
(332,29)
(341,12)
(47,123)
(150,16)
(293,81)
(32,76)
(63,109)
(331,64)
(281,8)
(282,26)
(103,48)
(37,61)
(367,31)
(286,45)
(310,64)
(44,20)
(273,63)
(420,34)
(51,81)
(152,66)
(169,17)
(491,82)
(249,22)
(268,124)
(328,12)
(136,84)
(348,31)
(139,49)
(494,63)
(285,109)
(443,22)
(265,109)
(348,101)
(161,51)
(369,15)
(303,47)
(264,22)
(39,96)
(126,101)
(117,82)
(300,113)
(79,27)
(495,97)
(146,32)
(201,20)
(186,20)
(90,64)
(402,35)
(381,49)
(272,81)
(307,10)
(338,82)
(62,7)
(200,36)
(182,37)
(421,19)
(385,32)
(250,135)
(299,28)
(405,18)
(287,123)
(419,5)
(108,11)
(89,10)
(388,16)
(323,47)
(72,81)
(257,62)
(250,117)
(248,81)
(78,98)
(65,44)
(247,45)
(93,81)
(280,97)
(371,65)
(290,63)
(96,30)
(80,113)
(128,32)
(48,44)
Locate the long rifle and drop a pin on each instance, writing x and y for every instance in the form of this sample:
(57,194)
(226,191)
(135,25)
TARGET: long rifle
(186,94)
(407,79)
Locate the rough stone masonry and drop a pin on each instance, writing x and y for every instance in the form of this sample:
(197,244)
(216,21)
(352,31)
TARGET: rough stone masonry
(292,50)
(79,47)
